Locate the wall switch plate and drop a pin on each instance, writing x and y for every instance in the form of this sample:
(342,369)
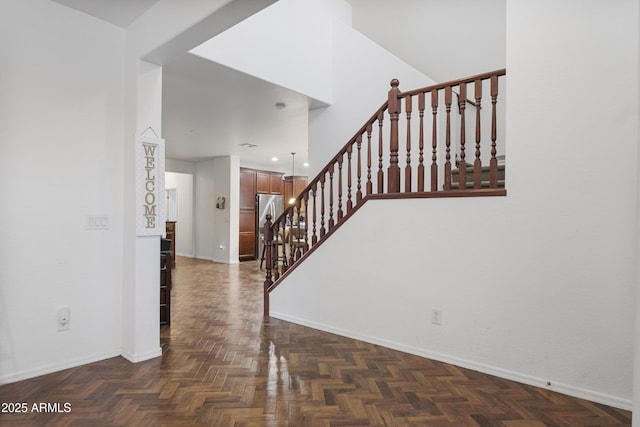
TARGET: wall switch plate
(96,222)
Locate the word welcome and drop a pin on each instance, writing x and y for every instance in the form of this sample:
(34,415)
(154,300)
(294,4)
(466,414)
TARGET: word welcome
(150,185)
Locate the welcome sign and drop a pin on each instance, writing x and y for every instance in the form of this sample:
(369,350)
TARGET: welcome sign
(150,202)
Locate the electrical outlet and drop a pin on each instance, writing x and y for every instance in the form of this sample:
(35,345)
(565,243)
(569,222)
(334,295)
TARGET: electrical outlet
(436,317)
(64,318)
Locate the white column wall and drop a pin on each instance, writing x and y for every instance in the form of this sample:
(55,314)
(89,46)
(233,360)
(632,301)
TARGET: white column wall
(141,290)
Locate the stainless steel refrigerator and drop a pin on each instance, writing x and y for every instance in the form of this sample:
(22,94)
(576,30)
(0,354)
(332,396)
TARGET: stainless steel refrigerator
(266,204)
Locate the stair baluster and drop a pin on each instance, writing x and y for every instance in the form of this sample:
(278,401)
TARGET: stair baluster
(434,141)
(477,164)
(447,164)
(380,144)
(331,220)
(296,239)
(349,202)
(286,260)
(462,167)
(493,165)
(339,212)
(314,191)
(359,165)
(268,241)
(421,158)
(306,222)
(369,183)
(322,229)
(407,169)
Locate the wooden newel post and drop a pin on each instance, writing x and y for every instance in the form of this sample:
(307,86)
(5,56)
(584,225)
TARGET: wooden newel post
(268,246)
(393,173)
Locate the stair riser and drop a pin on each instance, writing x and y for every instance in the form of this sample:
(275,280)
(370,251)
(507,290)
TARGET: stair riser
(484,174)
(483,184)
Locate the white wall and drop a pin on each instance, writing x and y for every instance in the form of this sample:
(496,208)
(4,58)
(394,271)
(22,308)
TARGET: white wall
(537,286)
(361,71)
(183,183)
(181,169)
(61,126)
(180,166)
(217,230)
(636,353)
(141,294)
(446,40)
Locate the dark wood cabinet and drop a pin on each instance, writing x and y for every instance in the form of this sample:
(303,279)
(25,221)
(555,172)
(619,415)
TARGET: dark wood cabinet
(269,183)
(248,190)
(253,182)
(165,290)
(276,185)
(171,235)
(293,186)
(263,182)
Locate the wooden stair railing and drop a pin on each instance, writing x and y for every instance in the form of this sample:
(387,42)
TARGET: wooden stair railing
(357,172)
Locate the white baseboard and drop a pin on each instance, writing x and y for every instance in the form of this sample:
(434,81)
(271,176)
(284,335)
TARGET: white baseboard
(44,370)
(567,389)
(135,358)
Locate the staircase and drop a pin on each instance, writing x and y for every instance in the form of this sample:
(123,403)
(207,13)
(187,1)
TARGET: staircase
(485,178)
(400,152)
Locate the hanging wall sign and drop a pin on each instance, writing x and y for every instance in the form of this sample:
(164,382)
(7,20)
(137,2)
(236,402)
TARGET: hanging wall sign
(150,203)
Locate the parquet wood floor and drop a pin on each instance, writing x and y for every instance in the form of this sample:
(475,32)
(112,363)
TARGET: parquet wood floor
(222,366)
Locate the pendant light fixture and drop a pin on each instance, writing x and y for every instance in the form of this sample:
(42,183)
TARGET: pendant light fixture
(292,200)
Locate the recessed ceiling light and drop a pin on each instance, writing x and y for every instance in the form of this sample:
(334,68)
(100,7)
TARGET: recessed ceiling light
(248,145)
(274,159)
(305,164)
(281,105)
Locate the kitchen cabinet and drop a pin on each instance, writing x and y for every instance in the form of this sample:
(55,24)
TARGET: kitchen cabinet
(253,182)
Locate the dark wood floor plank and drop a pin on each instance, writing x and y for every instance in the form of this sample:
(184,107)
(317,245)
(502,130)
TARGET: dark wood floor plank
(222,365)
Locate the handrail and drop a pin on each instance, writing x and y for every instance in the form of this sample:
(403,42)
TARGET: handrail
(372,157)
(342,151)
(471,79)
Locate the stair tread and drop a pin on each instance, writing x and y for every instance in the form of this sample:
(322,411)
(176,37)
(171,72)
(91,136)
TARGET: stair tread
(471,168)
(483,184)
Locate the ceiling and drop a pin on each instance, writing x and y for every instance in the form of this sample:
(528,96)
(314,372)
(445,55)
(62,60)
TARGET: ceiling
(210,110)
(118,12)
